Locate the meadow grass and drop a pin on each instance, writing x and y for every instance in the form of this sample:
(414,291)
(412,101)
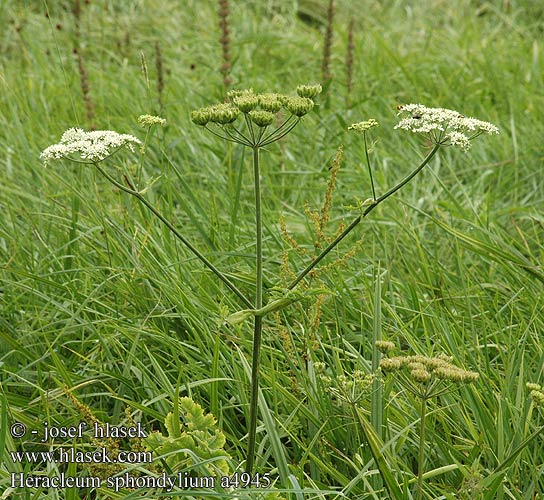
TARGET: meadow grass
(97,297)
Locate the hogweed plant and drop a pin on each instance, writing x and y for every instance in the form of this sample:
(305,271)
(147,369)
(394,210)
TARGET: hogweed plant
(258,115)
(425,378)
(345,389)
(255,121)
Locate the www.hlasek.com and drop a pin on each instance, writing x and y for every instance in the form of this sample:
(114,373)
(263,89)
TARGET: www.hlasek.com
(70,455)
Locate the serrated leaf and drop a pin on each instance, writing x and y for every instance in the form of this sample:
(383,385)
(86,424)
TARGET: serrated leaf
(199,437)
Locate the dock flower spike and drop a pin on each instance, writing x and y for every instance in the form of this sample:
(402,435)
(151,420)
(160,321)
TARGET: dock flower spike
(442,126)
(92,147)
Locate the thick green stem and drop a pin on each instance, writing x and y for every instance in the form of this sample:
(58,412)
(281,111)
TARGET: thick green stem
(176,233)
(258,324)
(421,452)
(358,219)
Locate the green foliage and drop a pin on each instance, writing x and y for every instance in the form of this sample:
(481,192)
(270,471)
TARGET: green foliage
(191,441)
(96,296)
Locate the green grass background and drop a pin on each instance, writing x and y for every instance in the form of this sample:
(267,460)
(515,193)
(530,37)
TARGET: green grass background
(95,295)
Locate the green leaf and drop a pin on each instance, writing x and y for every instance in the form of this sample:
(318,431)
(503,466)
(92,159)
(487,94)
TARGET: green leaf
(377,448)
(198,437)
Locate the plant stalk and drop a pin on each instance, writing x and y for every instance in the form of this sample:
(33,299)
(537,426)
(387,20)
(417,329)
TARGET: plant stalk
(421,451)
(369,168)
(258,324)
(176,233)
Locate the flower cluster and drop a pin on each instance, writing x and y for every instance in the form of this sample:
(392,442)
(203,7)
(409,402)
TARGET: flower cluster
(150,120)
(384,345)
(362,127)
(443,126)
(348,389)
(257,109)
(423,369)
(222,114)
(93,146)
(309,91)
(536,392)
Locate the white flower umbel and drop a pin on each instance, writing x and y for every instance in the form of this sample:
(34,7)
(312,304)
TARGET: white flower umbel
(92,147)
(443,126)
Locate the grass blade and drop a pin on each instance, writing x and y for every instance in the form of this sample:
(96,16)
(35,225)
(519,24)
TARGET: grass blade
(378,451)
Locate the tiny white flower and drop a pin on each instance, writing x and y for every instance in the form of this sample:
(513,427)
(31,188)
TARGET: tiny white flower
(93,146)
(443,126)
(458,139)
